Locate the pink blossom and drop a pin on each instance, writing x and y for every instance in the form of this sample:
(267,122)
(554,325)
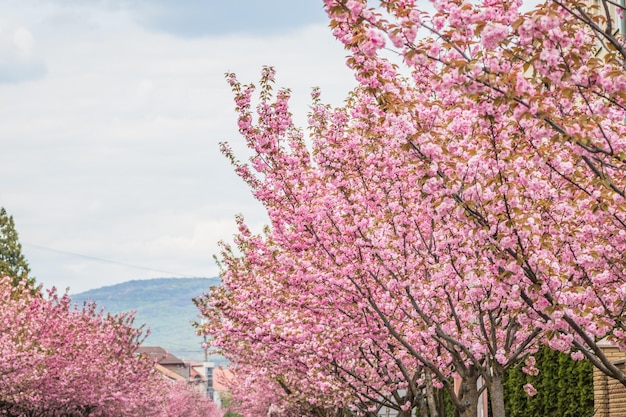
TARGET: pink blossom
(374,42)
(493,34)
(530,390)
(355,7)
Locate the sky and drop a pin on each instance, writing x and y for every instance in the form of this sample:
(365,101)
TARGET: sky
(111,115)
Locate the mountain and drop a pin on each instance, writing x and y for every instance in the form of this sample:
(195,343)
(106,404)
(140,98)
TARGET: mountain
(164,305)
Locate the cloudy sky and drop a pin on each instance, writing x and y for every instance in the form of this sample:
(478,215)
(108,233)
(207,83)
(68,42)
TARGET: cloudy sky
(111,115)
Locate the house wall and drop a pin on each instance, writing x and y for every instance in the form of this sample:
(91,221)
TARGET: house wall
(609,395)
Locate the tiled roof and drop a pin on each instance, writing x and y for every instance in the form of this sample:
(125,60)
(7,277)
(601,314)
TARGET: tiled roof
(161,355)
(169,374)
(221,376)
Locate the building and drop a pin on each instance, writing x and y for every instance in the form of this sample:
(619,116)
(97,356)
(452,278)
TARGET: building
(609,395)
(167,360)
(204,376)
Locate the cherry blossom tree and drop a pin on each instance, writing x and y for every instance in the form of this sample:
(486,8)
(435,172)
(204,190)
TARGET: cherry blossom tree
(59,360)
(298,340)
(354,237)
(309,356)
(184,401)
(524,121)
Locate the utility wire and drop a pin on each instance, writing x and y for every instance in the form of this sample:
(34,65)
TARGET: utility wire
(95,258)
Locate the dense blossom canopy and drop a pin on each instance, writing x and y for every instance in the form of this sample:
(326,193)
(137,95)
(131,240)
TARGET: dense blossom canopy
(465,205)
(57,360)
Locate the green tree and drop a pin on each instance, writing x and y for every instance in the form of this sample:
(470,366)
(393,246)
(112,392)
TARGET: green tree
(12,262)
(227,402)
(564,388)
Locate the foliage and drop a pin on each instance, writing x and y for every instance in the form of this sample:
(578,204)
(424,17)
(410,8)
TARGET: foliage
(227,403)
(12,262)
(564,388)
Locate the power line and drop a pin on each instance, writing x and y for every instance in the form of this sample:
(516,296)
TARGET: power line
(95,258)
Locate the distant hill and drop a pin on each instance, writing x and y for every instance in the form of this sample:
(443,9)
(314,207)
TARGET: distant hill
(164,305)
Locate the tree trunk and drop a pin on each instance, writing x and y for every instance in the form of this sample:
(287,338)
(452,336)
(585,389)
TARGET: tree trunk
(430,396)
(496,392)
(422,411)
(469,394)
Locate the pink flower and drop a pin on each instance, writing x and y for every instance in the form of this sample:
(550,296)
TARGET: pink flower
(493,34)
(530,390)
(355,6)
(374,42)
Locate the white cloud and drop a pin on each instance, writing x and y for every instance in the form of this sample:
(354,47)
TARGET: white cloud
(18,60)
(203,18)
(145,88)
(23,40)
